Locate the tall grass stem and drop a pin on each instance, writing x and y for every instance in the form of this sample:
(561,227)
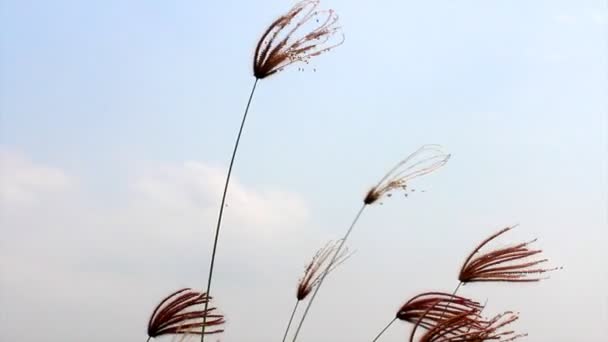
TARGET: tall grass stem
(223,203)
(293,313)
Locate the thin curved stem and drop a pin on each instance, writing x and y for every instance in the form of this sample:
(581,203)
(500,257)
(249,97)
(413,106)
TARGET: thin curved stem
(322,278)
(222,205)
(149,337)
(385,329)
(447,306)
(295,307)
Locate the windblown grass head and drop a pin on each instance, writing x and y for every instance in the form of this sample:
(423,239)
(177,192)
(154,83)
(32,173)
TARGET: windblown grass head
(494,328)
(451,329)
(426,159)
(429,308)
(178,313)
(319,264)
(470,328)
(297,36)
(507,264)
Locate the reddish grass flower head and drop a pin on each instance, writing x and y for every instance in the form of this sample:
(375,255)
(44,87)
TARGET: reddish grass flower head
(178,313)
(470,327)
(451,329)
(320,263)
(508,264)
(297,36)
(494,328)
(429,308)
(426,159)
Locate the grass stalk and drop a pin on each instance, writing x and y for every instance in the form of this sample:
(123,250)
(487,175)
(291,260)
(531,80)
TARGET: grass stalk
(223,203)
(447,306)
(385,329)
(293,313)
(336,254)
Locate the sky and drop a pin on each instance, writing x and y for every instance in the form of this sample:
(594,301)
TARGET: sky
(117,119)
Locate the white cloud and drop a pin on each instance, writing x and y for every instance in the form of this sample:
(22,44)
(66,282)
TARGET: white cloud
(24,182)
(72,261)
(80,266)
(195,185)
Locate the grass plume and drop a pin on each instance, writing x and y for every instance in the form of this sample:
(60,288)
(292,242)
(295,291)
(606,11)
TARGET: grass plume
(287,40)
(426,159)
(469,326)
(297,36)
(507,264)
(426,310)
(179,313)
(312,273)
(320,261)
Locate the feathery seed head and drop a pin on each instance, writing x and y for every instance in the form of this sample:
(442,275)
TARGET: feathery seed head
(321,262)
(507,264)
(429,308)
(470,327)
(426,159)
(297,36)
(178,313)
(491,330)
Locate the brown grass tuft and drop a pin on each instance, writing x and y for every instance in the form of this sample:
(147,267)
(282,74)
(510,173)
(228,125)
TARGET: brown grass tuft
(470,327)
(426,159)
(300,34)
(319,263)
(429,308)
(508,264)
(178,314)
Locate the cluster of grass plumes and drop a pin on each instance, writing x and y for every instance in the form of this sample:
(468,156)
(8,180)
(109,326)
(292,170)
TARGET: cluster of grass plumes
(297,36)
(470,327)
(449,317)
(304,32)
(424,160)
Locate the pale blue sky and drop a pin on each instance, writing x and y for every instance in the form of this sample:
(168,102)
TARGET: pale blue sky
(122,107)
